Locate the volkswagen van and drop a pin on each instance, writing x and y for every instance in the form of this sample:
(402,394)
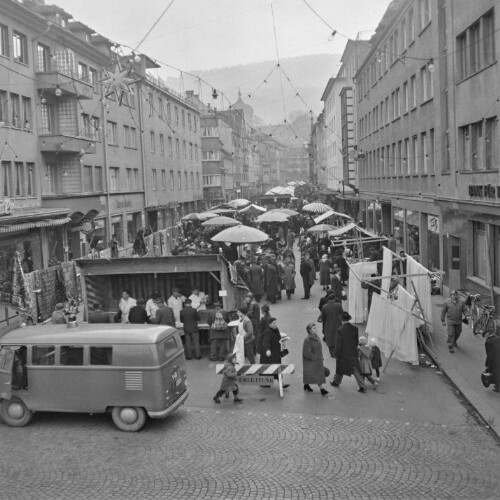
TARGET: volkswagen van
(130,371)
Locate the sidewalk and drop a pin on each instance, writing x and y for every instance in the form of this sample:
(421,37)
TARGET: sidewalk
(464,367)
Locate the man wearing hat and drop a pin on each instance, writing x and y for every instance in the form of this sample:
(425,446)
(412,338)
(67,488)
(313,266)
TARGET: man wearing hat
(453,311)
(189,317)
(346,353)
(58,317)
(98,315)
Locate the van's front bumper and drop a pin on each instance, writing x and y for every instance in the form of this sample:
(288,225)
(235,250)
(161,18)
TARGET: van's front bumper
(171,409)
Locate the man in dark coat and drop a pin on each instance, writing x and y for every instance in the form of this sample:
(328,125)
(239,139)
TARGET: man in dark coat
(492,346)
(347,353)
(164,314)
(336,284)
(138,314)
(98,315)
(263,324)
(271,282)
(256,278)
(253,313)
(330,316)
(189,318)
(305,272)
(271,345)
(324,300)
(58,317)
(290,238)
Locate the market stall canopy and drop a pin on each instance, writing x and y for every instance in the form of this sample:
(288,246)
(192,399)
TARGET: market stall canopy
(320,228)
(316,208)
(241,234)
(221,221)
(200,217)
(351,227)
(238,203)
(287,211)
(282,190)
(252,208)
(330,213)
(273,217)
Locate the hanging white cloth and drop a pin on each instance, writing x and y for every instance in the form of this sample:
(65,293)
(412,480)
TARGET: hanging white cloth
(358,297)
(394,326)
(239,345)
(386,271)
(422,285)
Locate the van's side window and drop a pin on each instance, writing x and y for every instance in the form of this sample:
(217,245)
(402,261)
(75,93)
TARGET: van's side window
(170,347)
(101,355)
(71,355)
(43,355)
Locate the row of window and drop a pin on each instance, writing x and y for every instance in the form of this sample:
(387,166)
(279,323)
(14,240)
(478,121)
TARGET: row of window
(486,249)
(191,151)
(15,45)
(189,180)
(396,44)
(411,156)
(70,355)
(478,145)
(401,100)
(15,111)
(17,179)
(164,112)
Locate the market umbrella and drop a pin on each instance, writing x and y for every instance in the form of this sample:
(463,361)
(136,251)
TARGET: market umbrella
(316,208)
(241,234)
(238,203)
(252,208)
(273,217)
(287,211)
(221,222)
(196,216)
(320,228)
(219,211)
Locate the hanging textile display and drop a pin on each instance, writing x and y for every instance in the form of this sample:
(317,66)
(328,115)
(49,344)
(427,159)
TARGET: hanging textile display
(386,271)
(393,324)
(358,297)
(422,285)
(19,299)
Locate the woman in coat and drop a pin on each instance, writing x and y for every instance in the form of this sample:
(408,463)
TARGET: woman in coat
(271,346)
(289,278)
(324,271)
(256,278)
(271,282)
(339,259)
(313,370)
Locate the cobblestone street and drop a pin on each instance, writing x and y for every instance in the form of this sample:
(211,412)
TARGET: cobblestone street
(232,453)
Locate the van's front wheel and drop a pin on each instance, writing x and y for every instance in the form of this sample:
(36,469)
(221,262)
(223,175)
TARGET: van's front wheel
(15,413)
(128,418)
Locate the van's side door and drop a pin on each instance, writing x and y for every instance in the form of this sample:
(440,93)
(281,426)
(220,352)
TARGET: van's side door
(6,363)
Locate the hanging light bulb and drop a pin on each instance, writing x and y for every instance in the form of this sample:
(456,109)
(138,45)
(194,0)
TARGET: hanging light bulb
(214,94)
(42,99)
(58,91)
(431,66)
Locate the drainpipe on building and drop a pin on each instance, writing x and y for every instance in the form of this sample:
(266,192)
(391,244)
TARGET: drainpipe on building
(104,122)
(143,154)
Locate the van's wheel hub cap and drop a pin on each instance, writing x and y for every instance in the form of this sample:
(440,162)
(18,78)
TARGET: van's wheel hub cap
(15,410)
(128,415)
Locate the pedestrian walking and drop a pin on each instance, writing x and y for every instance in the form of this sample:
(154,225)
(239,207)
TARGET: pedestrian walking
(263,324)
(271,345)
(325,265)
(492,346)
(229,376)
(452,313)
(253,313)
(271,282)
(137,314)
(256,278)
(289,278)
(347,353)
(290,238)
(375,357)
(313,369)
(98,315)
(189,318)
(365,364)
(305,272)
(330,317)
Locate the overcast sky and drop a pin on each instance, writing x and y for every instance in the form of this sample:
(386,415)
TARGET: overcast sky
(203,34)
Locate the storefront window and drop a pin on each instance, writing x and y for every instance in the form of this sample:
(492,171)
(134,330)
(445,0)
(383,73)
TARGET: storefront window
(479,250)
(412,233)
(433,242)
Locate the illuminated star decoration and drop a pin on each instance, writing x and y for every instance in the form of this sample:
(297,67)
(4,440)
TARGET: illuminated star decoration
(117,82)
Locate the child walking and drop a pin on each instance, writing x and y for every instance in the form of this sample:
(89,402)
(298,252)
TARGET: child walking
(375,357)
(365,363)
(228,383)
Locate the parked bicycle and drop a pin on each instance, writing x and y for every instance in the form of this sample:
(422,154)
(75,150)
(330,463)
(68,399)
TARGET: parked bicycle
(486,322)
(472,303)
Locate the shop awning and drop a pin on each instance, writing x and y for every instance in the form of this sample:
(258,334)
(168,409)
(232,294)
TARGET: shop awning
(30,225)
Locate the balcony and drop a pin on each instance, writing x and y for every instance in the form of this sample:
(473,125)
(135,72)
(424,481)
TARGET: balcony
(51,81)
(65,144)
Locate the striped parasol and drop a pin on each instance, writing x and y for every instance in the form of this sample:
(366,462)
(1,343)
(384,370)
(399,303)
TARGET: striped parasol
(221,221)
(316,208)
(198,216)
(238,203)
(287,211)
(273,217)
(241,234)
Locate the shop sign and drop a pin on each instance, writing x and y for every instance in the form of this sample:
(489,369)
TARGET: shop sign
(433,223)
(487,191)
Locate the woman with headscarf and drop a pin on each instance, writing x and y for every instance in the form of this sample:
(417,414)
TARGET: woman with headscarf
(289,278)
(324,271)
(313,370)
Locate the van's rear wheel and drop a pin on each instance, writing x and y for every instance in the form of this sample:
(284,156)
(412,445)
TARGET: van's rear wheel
(15,413)
(128,418)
